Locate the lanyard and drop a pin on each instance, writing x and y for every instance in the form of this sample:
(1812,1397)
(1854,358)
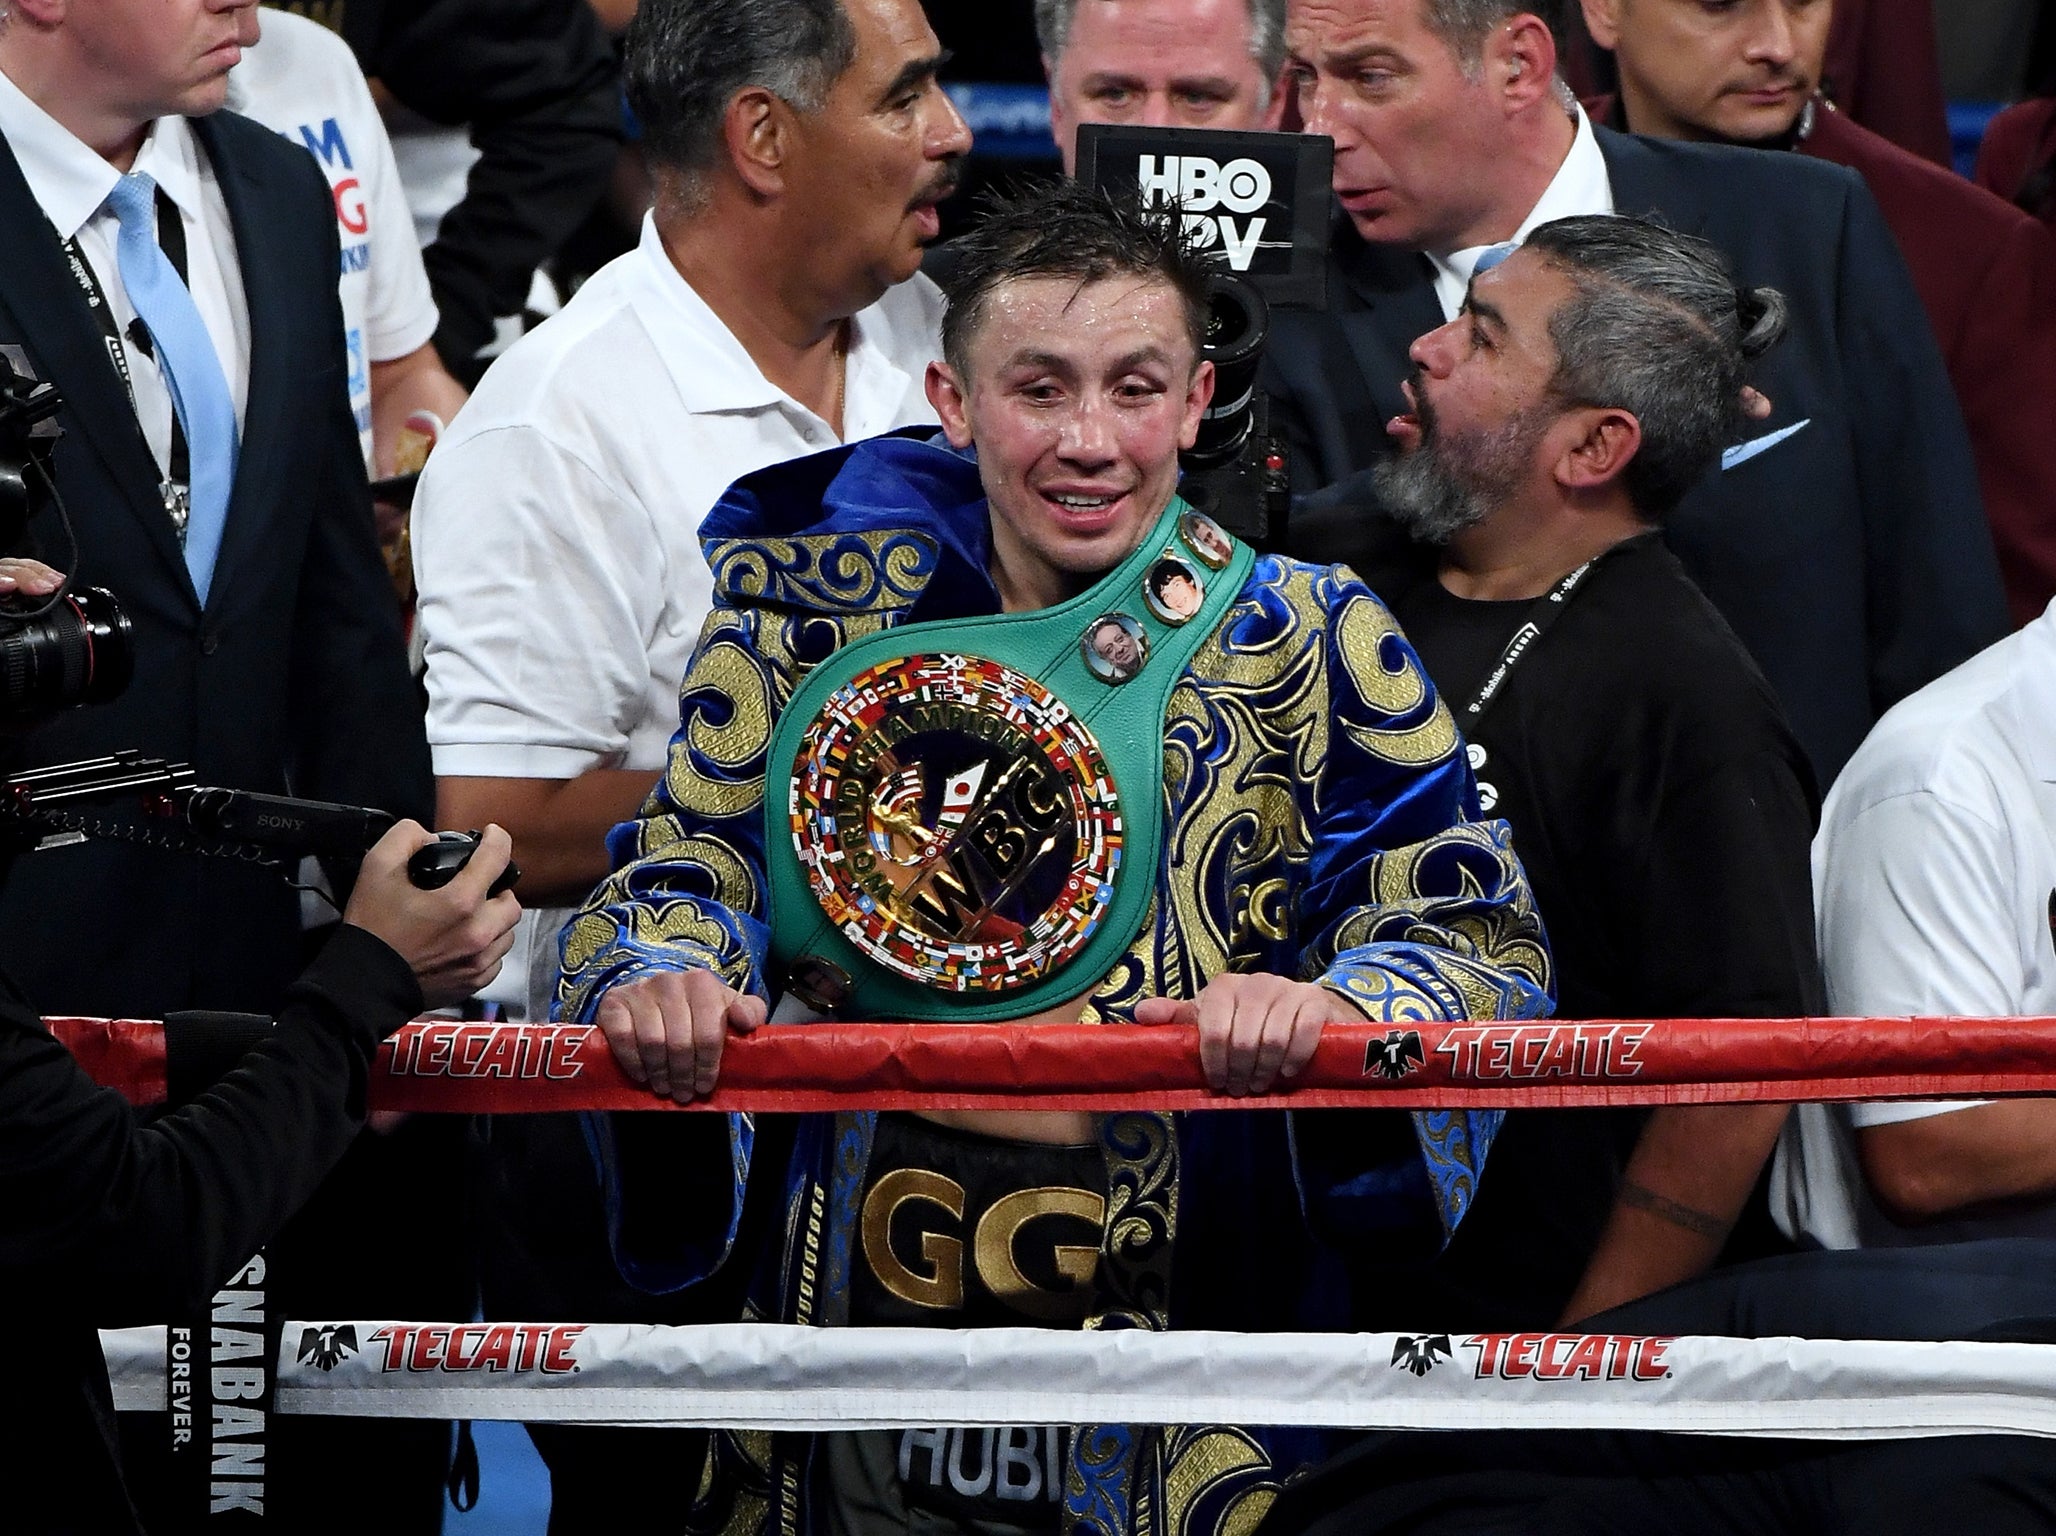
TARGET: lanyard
(1541,618)
(171,236)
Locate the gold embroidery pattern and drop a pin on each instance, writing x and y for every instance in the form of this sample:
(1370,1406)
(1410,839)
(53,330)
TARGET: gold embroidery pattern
(1217,1482)
(1141,1220)
(1392,683)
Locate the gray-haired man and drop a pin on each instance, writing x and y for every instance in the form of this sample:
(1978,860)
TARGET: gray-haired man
(1160,63)
(1661,804)
(772,309)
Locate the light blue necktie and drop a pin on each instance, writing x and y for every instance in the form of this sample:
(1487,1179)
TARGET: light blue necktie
(186,356)
(1493,255)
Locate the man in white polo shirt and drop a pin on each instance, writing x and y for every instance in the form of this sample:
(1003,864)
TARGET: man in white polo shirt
(772,309)
(1935,884)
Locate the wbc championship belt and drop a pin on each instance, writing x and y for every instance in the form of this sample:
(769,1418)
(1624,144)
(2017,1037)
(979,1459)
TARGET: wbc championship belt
(975,805)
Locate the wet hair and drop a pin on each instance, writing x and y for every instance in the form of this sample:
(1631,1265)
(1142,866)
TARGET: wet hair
(1266,33)
(686,59)
(1065,229)
(1656,326)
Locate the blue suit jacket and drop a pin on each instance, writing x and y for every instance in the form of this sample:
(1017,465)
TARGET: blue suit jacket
(1852,558)
(294,675)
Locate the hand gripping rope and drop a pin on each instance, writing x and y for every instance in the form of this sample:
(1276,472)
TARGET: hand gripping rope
(774,1376)
(438,1066)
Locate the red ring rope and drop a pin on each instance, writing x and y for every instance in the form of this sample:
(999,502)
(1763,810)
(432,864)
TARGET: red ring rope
(463,1068)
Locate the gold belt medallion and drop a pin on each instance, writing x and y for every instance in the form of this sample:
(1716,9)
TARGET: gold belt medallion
(956,821)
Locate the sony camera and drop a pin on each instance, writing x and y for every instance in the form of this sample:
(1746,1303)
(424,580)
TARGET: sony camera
(76,646)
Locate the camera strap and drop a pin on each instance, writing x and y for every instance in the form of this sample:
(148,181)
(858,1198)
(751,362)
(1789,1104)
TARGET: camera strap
(175,487)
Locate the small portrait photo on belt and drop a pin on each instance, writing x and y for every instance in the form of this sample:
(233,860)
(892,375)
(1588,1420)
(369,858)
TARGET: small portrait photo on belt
(1115,647)
(1173,589)
(1206,539)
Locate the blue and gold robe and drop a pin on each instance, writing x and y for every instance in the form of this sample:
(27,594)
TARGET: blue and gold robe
(1319,824)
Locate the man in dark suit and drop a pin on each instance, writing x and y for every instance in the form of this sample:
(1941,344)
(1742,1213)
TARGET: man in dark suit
(1985,270)
(174,274)
(1844,540)
(290,674)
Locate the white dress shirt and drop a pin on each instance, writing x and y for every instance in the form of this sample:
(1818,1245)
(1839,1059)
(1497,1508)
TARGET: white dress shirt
(1934,878)
(556,528)
(71,182)
(302,81)
(1579,186)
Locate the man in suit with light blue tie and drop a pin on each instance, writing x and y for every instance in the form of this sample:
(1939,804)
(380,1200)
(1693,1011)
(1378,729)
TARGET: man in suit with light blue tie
(174,274)
(1842,538)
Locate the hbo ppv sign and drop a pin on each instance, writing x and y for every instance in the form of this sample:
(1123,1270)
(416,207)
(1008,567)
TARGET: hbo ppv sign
(1211,195)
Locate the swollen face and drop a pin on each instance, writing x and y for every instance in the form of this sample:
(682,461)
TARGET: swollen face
(1079,398)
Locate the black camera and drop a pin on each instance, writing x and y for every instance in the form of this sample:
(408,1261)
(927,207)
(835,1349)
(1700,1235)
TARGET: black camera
(75,646)
(1235,471)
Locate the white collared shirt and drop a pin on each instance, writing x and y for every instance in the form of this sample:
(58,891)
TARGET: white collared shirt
(302,81)
(1934,878)
(71,182)
(1579,186)
(556,528)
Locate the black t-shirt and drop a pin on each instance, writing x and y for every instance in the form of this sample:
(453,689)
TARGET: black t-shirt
(1663,811)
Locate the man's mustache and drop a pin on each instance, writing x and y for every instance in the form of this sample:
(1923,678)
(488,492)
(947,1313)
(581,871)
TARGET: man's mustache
(1776,80)
(1423,409)
(944,186)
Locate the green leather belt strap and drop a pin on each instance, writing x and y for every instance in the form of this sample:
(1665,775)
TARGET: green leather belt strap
(1127,719)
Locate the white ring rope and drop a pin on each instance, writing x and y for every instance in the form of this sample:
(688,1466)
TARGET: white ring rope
(776,1376)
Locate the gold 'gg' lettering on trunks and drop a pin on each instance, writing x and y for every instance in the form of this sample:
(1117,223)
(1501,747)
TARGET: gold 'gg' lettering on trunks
(943,1286)
(993,1246)
(993,1249)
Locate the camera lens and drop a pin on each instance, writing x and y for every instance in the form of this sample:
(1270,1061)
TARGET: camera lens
(80,652)
(1237,322)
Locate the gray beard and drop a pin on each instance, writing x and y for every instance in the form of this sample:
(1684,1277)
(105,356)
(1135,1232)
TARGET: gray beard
(1445,485)
(1418,492)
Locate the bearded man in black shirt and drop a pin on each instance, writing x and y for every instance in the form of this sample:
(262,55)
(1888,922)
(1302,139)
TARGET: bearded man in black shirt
(1662,806)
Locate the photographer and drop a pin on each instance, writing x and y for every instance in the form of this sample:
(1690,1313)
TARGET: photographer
(108,1221)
